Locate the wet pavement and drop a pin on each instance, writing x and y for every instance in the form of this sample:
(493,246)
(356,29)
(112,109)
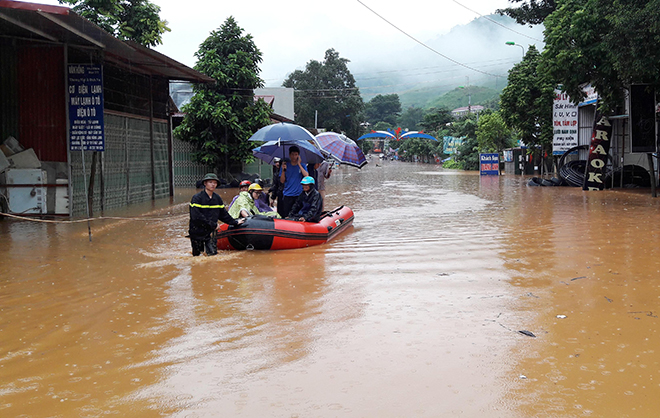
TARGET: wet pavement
(413,312)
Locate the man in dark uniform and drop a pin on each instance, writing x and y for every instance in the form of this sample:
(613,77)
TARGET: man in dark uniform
(206,208)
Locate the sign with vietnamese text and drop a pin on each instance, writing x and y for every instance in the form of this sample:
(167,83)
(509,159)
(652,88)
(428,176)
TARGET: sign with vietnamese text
(598,151)
(86,107)
(489,164)
(564,123)
(450,144)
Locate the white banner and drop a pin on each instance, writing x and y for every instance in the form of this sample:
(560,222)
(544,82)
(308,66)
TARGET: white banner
(565,123)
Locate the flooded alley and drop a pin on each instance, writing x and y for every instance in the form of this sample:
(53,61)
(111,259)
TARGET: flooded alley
(415,311)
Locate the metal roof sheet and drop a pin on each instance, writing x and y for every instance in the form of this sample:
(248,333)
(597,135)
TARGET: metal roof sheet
(58,24)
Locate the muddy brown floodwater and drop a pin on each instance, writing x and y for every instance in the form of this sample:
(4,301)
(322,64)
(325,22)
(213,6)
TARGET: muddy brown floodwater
(413,312)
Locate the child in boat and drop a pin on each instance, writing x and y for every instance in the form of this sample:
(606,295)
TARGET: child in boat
(242,187)
(245,206)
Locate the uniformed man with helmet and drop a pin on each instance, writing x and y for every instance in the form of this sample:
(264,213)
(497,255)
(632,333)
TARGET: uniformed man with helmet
(206,208)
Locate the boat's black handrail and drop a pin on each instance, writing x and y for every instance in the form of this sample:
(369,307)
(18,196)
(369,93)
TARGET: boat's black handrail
(330,212)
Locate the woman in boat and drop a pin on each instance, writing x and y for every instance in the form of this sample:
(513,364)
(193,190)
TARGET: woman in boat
(244,205)
(309,204)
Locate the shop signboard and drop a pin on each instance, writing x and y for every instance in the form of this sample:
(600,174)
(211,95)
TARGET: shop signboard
(564,123)
(598,151)
(85,96)
(489,164)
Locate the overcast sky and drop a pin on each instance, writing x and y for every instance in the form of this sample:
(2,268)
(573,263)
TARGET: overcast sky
(290,33)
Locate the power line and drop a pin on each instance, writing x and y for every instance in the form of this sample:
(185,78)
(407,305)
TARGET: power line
(426,46)
(498,63)
(497,23)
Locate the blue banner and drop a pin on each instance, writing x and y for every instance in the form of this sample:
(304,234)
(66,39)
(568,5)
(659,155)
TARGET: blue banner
(489,164)
(86,107)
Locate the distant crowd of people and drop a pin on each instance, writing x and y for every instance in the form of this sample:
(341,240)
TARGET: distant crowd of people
(297,193)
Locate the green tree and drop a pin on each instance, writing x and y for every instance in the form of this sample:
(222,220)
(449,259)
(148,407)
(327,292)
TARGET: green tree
(492,133)
(383,108)
(436,119)
(608,44)
(222,116)
(328,88)
(467,154)
(137,20)
(530,12)
(382,126)
(526,101)
(411,117)
(424,148)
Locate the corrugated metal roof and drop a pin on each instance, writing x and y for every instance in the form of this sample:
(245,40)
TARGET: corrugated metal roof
(61,25)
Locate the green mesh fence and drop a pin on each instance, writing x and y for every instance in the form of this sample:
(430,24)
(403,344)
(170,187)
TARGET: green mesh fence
(127,165)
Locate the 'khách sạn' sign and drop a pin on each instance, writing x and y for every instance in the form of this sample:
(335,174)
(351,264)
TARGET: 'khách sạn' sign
(489,164)
(598,151)
(86,107)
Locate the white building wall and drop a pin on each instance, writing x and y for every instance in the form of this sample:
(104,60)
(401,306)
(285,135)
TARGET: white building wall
(283,103)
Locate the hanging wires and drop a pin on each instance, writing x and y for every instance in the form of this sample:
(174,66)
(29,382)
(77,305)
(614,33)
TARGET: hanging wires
(428,47)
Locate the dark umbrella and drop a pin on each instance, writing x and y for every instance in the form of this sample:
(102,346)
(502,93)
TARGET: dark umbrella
(282,131)
(280,149)
(341,148)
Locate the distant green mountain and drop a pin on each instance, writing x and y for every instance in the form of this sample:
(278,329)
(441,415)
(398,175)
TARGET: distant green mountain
(459,97)
(477,54)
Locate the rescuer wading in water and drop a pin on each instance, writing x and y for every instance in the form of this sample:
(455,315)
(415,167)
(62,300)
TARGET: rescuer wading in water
(206,208)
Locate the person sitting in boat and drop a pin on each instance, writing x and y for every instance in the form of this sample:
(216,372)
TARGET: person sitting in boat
(263,202)
(242,187)
(309,204)
(206,208)
(244,205)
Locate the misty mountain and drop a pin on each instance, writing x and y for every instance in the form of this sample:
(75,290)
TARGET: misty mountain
(479,57)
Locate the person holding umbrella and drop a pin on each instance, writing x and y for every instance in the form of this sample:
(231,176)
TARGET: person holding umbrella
(291,174)
(206,208)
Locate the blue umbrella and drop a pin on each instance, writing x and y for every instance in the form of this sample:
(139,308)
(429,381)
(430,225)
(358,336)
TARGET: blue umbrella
(280,149)
(282,131)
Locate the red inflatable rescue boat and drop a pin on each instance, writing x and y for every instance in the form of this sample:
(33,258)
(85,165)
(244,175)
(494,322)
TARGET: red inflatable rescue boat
(266,233)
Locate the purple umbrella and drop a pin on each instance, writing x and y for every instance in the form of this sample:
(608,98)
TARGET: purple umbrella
(341,148)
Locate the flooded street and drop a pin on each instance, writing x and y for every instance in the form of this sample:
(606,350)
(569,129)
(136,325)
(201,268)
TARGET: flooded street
(413,312)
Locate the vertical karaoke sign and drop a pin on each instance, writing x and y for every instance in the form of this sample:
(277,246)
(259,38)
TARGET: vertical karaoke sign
(598,151)
(86,130)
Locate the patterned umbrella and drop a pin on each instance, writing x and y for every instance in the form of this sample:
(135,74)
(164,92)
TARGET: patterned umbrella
(341,148)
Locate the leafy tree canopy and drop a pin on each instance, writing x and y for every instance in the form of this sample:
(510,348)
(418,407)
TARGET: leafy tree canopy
(385,108)
(467,154)
(608,44)
(492,133)
(530,12)
(137,20)
(436,119)
(527,100)
(328,88)
(411,118)
(221,117)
